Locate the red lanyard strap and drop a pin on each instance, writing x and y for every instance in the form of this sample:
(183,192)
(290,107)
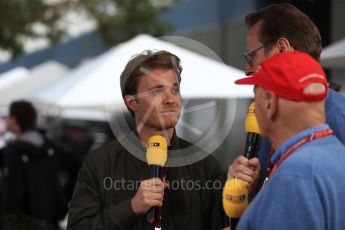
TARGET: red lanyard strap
(298,144)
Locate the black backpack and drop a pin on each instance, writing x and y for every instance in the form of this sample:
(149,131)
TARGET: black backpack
(33,185)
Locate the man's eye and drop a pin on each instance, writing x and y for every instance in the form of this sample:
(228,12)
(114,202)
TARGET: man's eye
(157,91)
(175,89)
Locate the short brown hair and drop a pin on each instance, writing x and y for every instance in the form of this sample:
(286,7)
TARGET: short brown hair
(285,20)
(148,59)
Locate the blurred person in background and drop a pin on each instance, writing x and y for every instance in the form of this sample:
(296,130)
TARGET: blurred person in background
(78,140)
(32,165)
(280,28)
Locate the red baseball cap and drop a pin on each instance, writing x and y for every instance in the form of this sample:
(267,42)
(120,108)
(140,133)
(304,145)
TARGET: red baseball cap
(290,75)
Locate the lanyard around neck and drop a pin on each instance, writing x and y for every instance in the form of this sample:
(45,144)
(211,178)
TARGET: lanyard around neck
(304,140)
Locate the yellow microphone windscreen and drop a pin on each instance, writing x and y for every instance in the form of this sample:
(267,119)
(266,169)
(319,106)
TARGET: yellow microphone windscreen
(235,197)
(157,151)
(251,124)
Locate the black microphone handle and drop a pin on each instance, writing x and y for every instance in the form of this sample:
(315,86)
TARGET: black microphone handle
(251,143)
(154,172)
(233,223)
(249,152)
(151,215)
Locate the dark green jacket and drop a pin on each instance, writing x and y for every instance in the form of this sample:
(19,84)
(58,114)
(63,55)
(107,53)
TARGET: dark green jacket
(110,176)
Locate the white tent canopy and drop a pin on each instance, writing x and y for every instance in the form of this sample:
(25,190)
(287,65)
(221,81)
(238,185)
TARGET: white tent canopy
(40,77)
(96,83)
(333,56)
(10,77)
(50,100)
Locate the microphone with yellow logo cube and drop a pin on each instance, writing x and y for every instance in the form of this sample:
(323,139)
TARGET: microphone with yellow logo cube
(156,156)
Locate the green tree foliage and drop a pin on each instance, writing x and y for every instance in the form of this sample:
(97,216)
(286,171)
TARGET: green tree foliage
(120,20)
(117,20)
(17,20)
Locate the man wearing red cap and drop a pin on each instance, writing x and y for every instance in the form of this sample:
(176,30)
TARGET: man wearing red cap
(301,190)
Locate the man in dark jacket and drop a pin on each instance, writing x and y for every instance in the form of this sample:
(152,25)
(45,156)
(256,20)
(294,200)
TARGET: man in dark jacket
(31,169)
(113,190)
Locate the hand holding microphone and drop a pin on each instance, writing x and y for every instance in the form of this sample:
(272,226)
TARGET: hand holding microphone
(156,156)
(246,167)
(235,192)
(151,192)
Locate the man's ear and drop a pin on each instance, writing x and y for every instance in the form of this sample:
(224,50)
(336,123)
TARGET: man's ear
(271,105)
(131,102)
(284,45)
(12,124)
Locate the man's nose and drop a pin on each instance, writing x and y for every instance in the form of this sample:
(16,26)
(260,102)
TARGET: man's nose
(169,97)
(249,70)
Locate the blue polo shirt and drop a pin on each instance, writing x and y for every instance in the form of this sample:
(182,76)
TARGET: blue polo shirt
(306,191)
(335,114)
(335,117)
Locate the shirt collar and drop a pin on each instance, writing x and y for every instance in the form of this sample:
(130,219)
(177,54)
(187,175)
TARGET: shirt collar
(174,142)
(294,139)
